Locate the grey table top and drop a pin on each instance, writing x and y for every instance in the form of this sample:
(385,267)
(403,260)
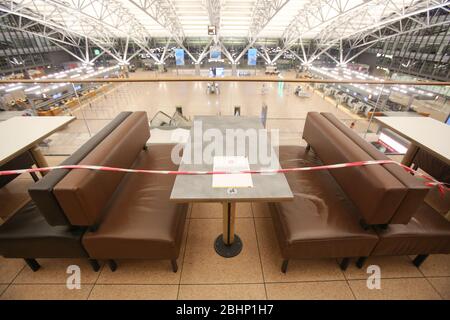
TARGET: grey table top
(193,188)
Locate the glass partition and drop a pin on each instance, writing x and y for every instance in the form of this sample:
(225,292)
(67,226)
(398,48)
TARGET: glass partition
(174,104)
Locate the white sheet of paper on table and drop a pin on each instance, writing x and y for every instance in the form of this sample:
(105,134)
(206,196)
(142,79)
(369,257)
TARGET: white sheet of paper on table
(238,180)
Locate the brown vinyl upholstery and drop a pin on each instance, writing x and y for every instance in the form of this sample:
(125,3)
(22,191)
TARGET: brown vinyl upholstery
(432,165)
(141,222)
(428,232)
(28,235)
(416,227)
(440,171)
(40,229)
(83,194)
(375,192)
(415,188)
(438,201)
(130,215)
(42,191)
(320,221)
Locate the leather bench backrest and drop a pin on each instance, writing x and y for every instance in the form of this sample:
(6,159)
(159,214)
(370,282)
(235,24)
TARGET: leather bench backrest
(372,189)
(416,190)
(83,194)
(42,191)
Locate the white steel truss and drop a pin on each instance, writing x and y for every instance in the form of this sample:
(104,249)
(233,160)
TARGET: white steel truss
(213,8)
(344,27)
(337,21)
(100,21)
(57,32)
(316,15)
(365,41)
(348,25)
(263,13)
(162,12)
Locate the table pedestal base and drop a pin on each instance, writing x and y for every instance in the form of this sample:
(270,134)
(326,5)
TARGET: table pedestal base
(228,251)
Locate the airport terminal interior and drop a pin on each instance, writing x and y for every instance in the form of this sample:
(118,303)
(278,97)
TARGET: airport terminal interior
(124,83)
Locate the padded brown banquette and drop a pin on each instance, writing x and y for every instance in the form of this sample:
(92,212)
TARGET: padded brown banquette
(129,216)
(417,228)
(355,211)
(40,229)
(102,215)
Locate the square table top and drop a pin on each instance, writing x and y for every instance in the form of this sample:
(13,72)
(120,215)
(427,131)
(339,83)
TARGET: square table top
(193,188)
(427,133)
(19,134)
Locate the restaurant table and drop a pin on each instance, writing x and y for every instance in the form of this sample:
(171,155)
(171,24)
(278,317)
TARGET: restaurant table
(21,134)
(198,188)
(423,133)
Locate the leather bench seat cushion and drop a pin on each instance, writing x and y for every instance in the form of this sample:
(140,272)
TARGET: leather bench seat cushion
(320,221)
(141,221)
(84,194)
(372,189)
(28,235)
(428,232)
(42,191)
(416,189)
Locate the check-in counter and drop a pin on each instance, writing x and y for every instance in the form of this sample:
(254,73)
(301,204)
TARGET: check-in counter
(54,111)
(71,103)
(89,95)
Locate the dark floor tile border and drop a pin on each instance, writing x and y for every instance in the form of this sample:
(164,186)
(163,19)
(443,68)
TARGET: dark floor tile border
(431,284)
(17,274)
(259,251)
(404,278)
(224,283)
(95,283)
(4,290)
(191,207)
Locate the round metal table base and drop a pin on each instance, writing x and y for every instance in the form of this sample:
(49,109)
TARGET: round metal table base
(228,251)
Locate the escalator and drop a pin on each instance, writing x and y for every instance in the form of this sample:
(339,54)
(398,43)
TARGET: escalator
(162,120)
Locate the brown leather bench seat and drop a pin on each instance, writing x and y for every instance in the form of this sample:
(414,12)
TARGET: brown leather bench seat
(40,229)
(128,215)
(416,228)
(28,235)
(426,233)
(320,221)
(416,190)
(141,221)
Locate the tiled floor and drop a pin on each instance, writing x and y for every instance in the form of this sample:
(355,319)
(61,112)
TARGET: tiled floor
(286,112)
(254,274)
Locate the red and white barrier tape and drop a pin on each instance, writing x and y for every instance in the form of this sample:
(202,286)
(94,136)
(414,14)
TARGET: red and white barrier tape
(430,181)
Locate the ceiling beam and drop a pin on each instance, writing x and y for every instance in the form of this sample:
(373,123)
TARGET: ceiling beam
(342,26)
(264,12)
(162,12)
